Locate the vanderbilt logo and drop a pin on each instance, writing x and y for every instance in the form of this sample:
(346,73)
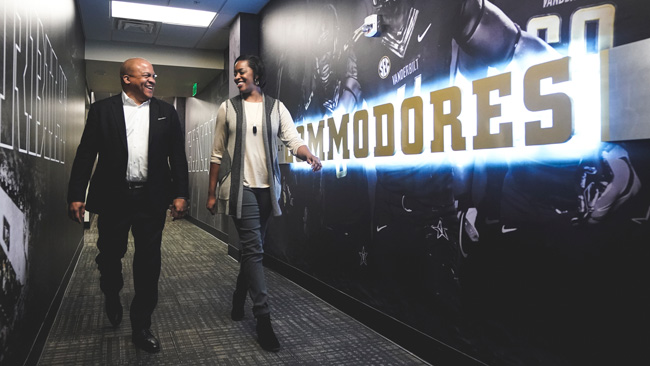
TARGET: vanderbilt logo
(384,67)
(548,3)
(405,71)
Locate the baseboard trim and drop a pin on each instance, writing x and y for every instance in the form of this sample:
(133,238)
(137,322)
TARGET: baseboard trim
(423,346)
(216,233)
(41,337)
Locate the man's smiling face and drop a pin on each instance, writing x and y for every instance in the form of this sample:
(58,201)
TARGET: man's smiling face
(139,82)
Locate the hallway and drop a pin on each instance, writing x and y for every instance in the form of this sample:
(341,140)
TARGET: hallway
(192,320)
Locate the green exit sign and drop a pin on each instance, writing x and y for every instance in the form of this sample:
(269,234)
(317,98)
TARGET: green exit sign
(194,89)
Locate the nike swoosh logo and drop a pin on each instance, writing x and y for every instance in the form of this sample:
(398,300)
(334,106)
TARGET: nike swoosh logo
(420,36)
(380,228)
(507,230)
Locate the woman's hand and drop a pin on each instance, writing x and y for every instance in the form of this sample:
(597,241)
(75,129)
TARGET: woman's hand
(211,205)
(304,154)
(314,161)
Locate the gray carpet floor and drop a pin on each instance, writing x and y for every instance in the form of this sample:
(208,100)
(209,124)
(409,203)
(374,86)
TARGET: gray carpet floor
(192,319)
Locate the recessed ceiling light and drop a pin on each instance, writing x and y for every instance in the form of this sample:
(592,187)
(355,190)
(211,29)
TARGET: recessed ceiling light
(164,14)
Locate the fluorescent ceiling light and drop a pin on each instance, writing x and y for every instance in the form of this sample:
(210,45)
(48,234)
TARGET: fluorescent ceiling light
(164,14)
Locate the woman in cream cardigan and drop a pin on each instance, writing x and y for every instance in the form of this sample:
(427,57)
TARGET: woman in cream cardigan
(245,164)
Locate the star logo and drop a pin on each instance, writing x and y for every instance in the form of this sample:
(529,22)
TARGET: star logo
(442,231)
(642,220)
(364,255)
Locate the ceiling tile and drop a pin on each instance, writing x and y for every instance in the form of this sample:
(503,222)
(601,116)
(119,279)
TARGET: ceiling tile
(96,20)
(179,36)
(214,39)
(223,20)
(248,6)
(133,36)
(207,5)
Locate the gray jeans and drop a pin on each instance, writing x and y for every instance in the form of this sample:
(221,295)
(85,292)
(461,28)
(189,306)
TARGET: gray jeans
(256,209)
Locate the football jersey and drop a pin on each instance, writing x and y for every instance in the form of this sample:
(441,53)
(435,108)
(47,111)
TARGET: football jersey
(414,48)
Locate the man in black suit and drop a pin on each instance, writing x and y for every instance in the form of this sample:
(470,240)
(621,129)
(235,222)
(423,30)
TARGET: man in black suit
(141,169)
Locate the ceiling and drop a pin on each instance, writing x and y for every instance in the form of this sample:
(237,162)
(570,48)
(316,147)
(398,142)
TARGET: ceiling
(181,55)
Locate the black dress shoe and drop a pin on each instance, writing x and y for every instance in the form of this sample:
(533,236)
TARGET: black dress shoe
(113,309)
(265,335)
(145,340)
(238,301)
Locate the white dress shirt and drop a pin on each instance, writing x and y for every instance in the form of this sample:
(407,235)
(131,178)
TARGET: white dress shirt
(137,138)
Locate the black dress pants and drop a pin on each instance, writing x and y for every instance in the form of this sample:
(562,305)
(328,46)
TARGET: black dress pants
(146,225)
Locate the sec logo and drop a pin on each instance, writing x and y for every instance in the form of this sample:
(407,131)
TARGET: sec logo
(384,67)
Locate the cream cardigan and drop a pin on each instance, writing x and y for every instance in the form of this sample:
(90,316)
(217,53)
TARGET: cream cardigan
(229,145)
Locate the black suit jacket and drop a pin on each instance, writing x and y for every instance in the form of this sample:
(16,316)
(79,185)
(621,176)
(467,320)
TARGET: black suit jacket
(105,136)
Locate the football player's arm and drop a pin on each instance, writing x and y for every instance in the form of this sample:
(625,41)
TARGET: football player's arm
(350,95)
(490,38)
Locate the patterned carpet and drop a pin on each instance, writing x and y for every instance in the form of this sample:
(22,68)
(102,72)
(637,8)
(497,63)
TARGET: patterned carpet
(192,319)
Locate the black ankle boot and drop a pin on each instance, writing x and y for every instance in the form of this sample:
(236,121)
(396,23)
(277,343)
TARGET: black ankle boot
(265,335)
(238,301)
(113,308)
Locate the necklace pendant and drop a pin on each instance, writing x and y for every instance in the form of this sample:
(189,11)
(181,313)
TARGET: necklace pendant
(254,130)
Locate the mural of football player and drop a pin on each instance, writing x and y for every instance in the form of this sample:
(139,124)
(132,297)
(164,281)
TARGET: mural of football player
(319,83)
(554,235)
(414,251)
(425,45)
(326,79)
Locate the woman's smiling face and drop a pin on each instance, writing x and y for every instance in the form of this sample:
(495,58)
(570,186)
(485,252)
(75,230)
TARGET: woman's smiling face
(244,77)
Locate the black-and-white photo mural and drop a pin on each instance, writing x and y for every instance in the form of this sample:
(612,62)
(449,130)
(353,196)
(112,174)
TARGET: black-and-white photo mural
(42,102)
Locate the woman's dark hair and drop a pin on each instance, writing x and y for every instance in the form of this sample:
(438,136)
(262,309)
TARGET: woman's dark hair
(256,64)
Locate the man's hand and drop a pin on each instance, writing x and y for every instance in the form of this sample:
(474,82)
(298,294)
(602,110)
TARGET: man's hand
(211,205)
(179,208)
(76,211)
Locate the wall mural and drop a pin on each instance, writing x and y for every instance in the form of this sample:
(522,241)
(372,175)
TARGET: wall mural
(472,187)
(38,86)
(201,117)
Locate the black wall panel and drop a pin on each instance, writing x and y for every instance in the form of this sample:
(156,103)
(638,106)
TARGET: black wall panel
(42,108)
(510,244)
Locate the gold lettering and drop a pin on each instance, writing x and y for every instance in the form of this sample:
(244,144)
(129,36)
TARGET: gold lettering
(559,103)
(360,130)
(440,119)
(485,111)
(447,108)
(416,147)
(339,139)
(385,148)
(315,143)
